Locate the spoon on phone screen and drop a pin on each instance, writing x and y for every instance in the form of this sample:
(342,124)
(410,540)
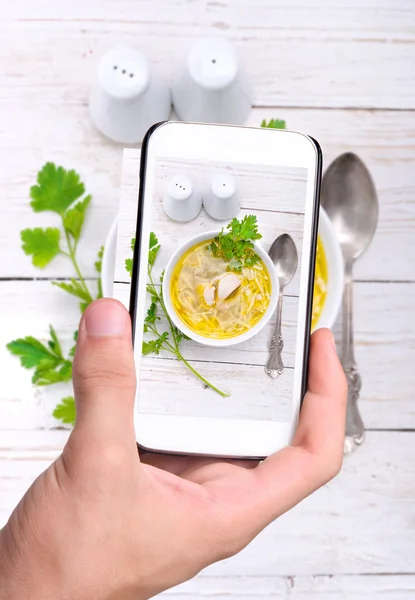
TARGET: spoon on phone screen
(283,254)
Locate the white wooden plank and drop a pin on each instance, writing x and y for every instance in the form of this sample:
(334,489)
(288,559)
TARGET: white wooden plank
(167,387)
(344,55)
(384,333)
(362,522)
(319,587)
(385,351)
(384,140)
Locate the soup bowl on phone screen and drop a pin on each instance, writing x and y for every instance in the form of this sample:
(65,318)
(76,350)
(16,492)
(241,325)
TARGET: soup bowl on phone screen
(214,302)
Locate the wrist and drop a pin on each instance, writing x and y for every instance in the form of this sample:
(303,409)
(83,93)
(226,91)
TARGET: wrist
(20,577)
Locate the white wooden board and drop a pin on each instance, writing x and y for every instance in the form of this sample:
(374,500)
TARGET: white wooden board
(355,539)
(319,587)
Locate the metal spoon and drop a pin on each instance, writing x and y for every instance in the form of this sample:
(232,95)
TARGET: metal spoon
(283,254)
(349,197)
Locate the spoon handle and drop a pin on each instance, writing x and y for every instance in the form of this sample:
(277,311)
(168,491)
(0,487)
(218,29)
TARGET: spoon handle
(355,431)
(274,366)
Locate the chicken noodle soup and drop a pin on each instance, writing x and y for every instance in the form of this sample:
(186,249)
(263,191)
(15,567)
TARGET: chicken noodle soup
(320,282)
(215,302)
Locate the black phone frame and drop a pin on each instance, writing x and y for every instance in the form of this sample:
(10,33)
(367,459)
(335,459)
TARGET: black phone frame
(310,294)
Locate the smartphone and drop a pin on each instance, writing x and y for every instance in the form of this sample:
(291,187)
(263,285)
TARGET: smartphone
(206,295)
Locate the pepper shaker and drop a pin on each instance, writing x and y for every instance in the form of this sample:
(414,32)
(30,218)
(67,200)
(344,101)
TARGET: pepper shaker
(212,87)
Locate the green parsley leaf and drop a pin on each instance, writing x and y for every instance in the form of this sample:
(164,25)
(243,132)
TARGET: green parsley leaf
(49,364)
(151,347)
(152,291)
(33,353)
(274,124)
(73,219)
(74,288)
(132,244)
(98,269)
(57,189)
(154,248)
(65,411)
(179,335)
(98,262)
(129,266)
(235,265)
(251,260)
(41,244)
(43,377)
(54,343)
(235,243)
(72,350)
(151,316)
(247,229)
(163,338)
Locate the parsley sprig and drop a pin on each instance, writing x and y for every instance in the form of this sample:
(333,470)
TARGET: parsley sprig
(49,363)
(62,192)
(170,340)
(235,243)
(274,123)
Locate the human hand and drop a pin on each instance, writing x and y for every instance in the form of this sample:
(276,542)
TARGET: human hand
(101,523)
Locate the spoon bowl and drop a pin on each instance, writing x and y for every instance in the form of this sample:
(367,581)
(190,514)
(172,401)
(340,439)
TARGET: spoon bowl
(284,255)
(349,197)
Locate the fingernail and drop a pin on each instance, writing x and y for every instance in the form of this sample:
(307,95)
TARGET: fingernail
(106,319)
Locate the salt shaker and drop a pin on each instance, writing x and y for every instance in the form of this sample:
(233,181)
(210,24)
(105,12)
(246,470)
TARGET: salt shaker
(212,87)
(221,200)
(125,98)
(181,202)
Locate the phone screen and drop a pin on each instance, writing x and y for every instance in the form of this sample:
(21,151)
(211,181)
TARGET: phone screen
(207,294)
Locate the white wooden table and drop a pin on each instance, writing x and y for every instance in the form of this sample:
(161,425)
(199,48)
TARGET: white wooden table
(341,71)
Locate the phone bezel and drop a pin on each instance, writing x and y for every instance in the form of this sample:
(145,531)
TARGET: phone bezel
(241,438)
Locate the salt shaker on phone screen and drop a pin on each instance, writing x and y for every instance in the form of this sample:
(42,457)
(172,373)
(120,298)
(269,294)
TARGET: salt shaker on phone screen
(126,99)
(212,87)
(181,202)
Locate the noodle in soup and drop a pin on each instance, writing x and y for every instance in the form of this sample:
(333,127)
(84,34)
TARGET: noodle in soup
(195,293)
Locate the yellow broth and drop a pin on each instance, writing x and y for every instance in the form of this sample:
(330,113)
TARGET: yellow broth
(198,267)
(320,282)
(227,318)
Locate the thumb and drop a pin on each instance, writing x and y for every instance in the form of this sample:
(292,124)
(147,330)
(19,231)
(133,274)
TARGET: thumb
(316,453)
(104,375)
(323,414)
